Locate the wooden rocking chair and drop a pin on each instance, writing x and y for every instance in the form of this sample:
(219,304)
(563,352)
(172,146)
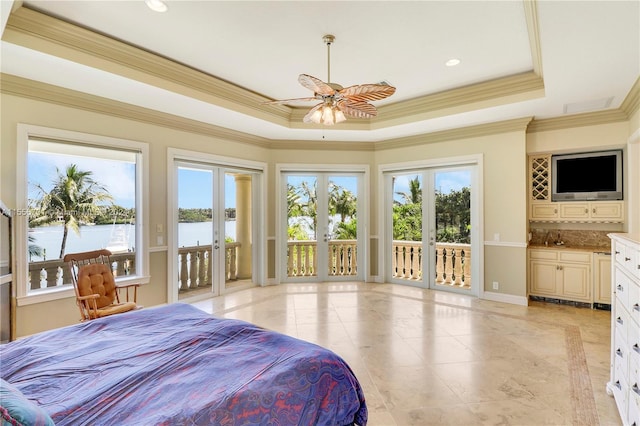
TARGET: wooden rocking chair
(95,286)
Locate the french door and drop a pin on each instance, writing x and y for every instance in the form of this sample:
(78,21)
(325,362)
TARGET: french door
(214,231)
(321,227)
(431,228)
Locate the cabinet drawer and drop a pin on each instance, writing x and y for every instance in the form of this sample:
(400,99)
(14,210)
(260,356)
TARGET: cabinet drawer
(544,211)
(620,393)
(634,367)
(574,210)
(621,286)
(543,254)
(621,362)
(621,325)
(634,302)
(574,256)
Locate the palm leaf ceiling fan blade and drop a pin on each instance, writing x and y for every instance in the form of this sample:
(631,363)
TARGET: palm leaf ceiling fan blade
(368,92)
(315,85)
(286,101)
(357,109)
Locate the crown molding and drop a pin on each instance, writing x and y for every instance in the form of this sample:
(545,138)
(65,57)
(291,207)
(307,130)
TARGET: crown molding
(631,103)
(533,29)
(18,86)
(322,145)
(469,132)
(50,35)
(514,88)
(577,120)
(38,31)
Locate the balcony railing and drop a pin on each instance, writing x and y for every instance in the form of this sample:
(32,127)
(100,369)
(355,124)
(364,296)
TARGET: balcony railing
(453,261)
(453,264)
(302,258)
(193,268)
(55,273)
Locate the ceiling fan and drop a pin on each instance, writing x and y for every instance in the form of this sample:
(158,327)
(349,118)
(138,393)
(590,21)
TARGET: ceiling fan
(338,103)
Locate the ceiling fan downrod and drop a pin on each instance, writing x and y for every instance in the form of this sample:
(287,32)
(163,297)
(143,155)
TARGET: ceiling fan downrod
(328,39)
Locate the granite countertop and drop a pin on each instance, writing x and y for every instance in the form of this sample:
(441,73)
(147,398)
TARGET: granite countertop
(592,249)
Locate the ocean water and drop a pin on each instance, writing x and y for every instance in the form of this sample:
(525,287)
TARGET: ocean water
(107,236)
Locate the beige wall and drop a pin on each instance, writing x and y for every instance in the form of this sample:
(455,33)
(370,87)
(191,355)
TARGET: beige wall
(504,183)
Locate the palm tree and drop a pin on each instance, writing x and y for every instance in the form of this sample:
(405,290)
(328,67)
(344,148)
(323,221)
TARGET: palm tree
(414,196)
(73,199)
(341,202)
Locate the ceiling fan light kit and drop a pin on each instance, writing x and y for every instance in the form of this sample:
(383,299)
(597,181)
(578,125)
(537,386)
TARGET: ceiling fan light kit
(338,103)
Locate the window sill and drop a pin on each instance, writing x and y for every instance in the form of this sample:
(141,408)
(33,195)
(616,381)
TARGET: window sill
(48,296)
(68,292)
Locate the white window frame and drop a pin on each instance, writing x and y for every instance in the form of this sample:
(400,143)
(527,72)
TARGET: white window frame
(26,132)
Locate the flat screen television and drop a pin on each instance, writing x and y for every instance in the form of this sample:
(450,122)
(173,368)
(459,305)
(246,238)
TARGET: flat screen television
(587,176)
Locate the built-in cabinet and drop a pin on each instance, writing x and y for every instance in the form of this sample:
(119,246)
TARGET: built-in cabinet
(602,278)
(561,274)
(542,209)
(625,326)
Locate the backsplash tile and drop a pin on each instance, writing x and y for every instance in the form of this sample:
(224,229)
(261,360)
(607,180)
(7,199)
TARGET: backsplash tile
(571,237)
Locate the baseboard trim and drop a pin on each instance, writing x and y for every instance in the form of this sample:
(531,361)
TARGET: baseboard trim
(506,298)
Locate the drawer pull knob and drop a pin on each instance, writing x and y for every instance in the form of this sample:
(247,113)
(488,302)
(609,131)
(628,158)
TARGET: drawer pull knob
(619,352)
(636,348)
(619,321)
(626,259)
(617,252)
(619,287)
(618,385)
(635,388)
(636,307)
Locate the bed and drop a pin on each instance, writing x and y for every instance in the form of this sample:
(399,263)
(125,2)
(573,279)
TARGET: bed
(176,365)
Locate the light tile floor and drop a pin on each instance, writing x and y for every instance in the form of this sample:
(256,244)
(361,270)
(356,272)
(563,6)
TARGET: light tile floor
(427,357)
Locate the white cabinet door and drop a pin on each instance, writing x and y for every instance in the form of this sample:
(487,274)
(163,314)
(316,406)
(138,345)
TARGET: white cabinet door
(574,210)
(602,278)
(612,211)
(576,280)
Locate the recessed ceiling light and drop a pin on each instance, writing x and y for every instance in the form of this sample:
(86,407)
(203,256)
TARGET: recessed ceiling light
(156,5)
(452,62)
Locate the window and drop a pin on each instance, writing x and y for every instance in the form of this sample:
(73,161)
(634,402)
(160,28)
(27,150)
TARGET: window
(77,192)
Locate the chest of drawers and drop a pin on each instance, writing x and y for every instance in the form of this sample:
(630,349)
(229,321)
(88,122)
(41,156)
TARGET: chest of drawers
(625,326)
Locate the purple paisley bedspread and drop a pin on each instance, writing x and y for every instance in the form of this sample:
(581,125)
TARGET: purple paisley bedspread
(176,365)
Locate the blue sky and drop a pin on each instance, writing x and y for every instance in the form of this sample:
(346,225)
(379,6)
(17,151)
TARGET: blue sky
(118,177)
(194,186)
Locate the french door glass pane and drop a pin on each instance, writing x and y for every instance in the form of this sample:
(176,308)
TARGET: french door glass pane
(453,229)
(195,231)
(302,226)
(407,250)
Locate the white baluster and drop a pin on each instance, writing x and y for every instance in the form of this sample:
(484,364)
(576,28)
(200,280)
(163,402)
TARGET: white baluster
(43,278)
(59,276)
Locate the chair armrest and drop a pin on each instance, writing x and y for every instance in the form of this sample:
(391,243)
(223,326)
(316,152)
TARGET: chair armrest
(91,296)
(125,285)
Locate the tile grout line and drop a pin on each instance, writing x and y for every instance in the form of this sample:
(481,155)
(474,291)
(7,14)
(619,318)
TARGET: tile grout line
(582,401)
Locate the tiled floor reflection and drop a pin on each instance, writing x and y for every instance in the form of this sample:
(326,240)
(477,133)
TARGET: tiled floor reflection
(427,357)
